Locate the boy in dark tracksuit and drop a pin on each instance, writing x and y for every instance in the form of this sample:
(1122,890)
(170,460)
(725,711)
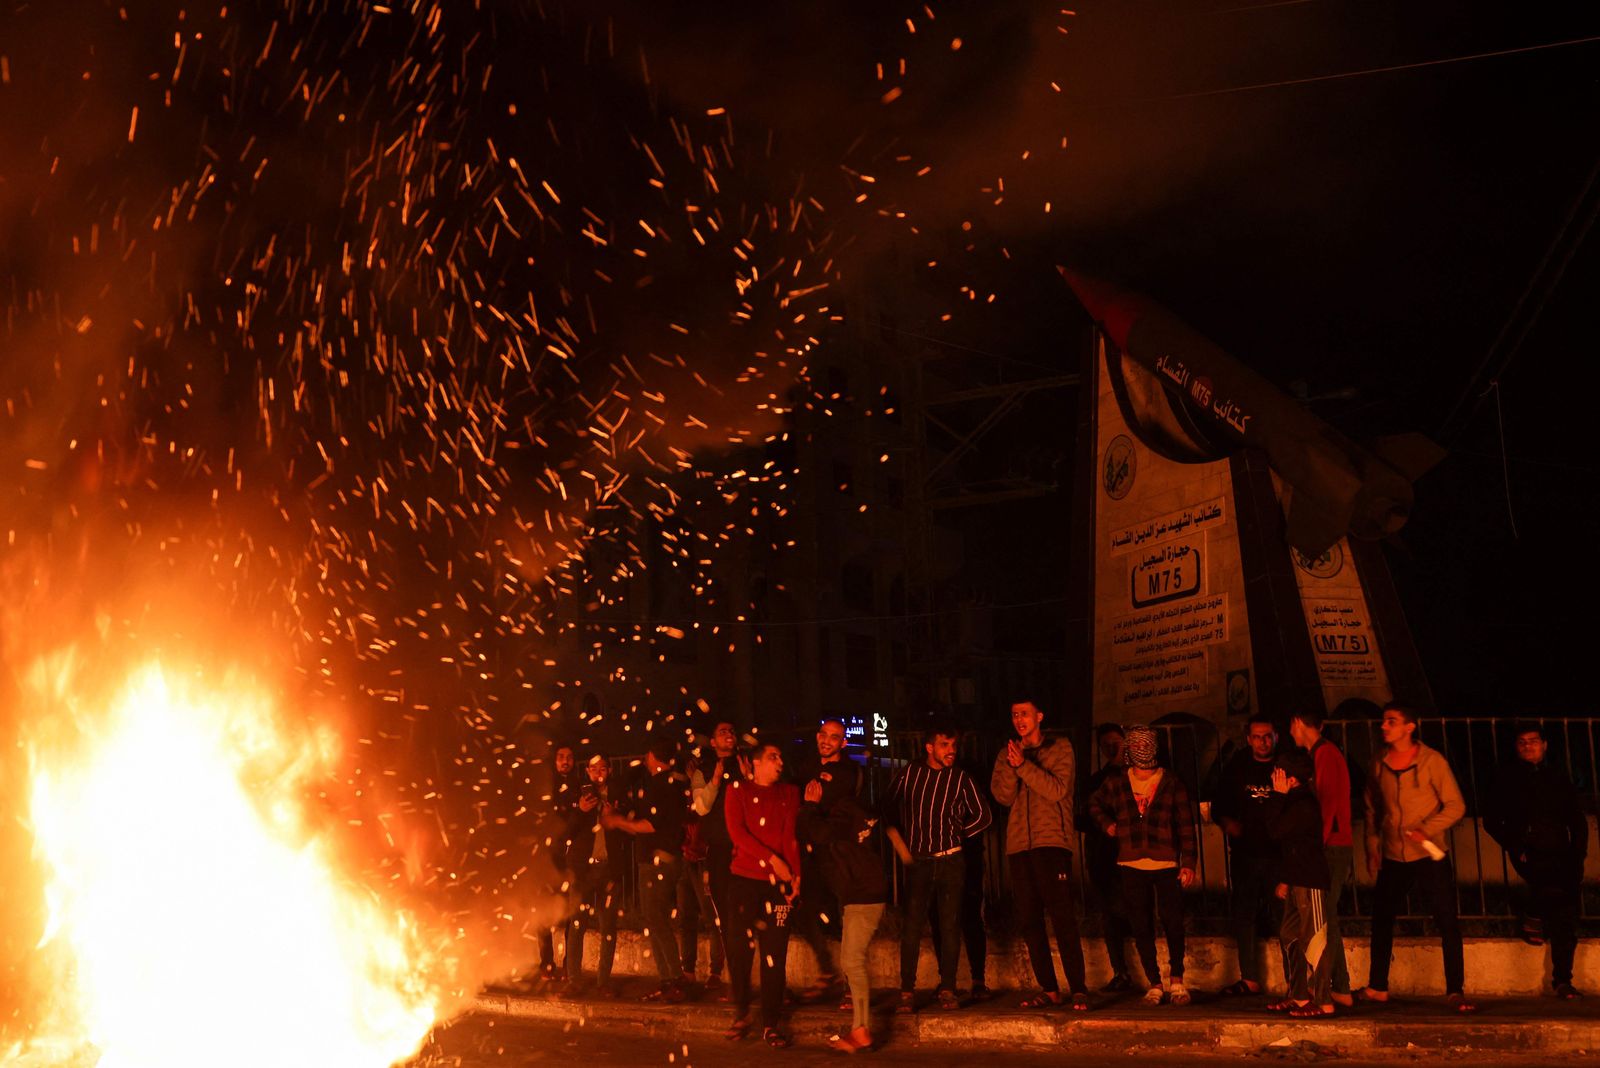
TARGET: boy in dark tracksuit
(1294,823)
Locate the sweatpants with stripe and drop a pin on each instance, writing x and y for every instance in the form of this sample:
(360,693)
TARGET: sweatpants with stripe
(1303,937)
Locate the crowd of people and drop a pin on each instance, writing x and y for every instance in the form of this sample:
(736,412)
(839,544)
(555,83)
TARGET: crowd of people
(727,838)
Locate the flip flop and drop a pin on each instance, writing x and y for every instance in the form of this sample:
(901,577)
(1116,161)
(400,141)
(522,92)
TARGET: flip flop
(843,1043)
(1045,1000)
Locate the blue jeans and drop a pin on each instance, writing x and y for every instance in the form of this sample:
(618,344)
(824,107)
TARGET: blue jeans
(596,900)
(927,878)
(859,923)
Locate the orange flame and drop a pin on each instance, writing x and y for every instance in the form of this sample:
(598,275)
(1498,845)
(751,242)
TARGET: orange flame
(197,918)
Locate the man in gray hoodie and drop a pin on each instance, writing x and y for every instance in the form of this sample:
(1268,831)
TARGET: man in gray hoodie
(1411,802)
(1036,779)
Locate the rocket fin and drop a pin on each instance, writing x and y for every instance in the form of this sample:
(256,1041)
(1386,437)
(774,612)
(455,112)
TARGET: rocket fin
(1413,455)
(1310,529)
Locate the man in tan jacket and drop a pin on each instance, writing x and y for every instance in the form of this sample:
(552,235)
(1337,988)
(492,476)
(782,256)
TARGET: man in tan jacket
(1411,802)
(1036,779)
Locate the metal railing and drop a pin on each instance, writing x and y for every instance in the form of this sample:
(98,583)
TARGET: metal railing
(1477,748)
(1191,749)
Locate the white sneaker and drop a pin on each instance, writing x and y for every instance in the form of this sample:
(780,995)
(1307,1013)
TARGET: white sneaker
(1154,996)
(1178,995)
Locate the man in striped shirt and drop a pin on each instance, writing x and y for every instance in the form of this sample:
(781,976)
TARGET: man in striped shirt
(932,807)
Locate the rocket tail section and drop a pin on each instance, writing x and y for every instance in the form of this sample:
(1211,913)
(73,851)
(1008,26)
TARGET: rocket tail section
(1413,455)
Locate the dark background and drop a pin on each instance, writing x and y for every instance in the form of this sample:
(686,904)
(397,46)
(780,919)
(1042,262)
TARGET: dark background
(1367,235)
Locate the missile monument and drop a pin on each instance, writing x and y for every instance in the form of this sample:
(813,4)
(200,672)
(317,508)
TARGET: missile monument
(1233,534)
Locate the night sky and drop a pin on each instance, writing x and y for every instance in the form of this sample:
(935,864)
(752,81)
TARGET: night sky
(1361,237)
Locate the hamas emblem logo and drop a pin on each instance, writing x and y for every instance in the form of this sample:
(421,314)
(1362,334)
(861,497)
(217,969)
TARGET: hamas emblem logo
(1325,566)
(1117,476)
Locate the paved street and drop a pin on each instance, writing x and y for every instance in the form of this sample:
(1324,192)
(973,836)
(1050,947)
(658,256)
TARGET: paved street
(500,1042)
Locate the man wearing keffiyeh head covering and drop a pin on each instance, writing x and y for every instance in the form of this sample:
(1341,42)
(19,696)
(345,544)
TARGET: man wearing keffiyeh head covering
(1147,810)
(1141,746)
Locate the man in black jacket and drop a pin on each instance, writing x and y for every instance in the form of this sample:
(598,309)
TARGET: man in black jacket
(1535,815)
(657,807)
(825,777)
(552,811)
(1240,808)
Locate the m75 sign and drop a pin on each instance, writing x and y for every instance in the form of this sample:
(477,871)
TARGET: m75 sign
(1165,573)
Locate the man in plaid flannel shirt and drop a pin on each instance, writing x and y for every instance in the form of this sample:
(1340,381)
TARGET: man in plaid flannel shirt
(1147,810)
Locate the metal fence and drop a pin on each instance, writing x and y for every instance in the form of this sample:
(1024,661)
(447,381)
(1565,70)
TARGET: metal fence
(1193,750)
(1476,748)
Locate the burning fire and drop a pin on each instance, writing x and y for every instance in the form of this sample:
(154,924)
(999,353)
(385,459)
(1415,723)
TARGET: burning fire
(196,917)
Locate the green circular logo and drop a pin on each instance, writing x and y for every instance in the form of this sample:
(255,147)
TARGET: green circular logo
(1121,461)
(1324,566)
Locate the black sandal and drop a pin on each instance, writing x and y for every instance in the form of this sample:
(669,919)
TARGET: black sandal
(776,1038)
(737,1030)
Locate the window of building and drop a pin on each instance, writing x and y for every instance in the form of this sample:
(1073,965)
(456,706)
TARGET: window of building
(860,662)
(855,582)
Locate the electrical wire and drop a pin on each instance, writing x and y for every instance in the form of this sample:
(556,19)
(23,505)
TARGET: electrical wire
(1505,466)
(890,618)
(1343,75)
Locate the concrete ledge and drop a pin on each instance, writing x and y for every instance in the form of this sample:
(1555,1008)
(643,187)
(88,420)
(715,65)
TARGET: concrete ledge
(1496,967)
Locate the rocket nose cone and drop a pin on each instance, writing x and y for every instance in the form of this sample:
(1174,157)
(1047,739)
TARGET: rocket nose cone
(1094,294)
(1114,309)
